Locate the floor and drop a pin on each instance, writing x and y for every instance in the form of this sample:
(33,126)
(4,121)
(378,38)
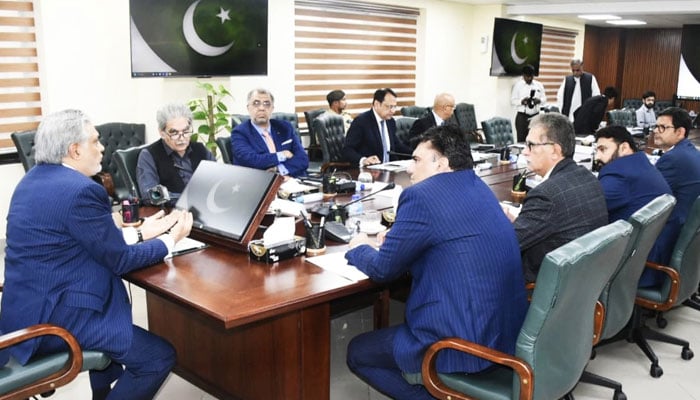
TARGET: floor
(621,361)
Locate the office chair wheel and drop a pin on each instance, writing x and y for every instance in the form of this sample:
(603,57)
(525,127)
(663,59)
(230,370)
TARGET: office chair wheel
(686,353)
(593,354)
(656,371)
(661,322)
(619,395)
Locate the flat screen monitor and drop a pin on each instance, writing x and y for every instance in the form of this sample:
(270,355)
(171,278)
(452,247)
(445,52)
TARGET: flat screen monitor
(515,44)
(198,37)
(228,200)
(689,67)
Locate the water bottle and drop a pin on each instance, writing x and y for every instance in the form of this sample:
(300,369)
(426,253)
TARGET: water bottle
(355,209)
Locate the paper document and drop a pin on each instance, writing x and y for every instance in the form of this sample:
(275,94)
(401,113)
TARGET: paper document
(286,207)
(393,166)
(336,263)
(186,245)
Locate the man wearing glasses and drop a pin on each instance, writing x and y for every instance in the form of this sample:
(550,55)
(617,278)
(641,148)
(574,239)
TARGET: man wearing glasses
(680,162)
(568,202)
(172,159)
(443,107)
(265,143)
(371,138)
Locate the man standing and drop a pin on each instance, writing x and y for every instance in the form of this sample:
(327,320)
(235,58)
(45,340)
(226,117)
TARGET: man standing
(575,89)
(645,113)
(567,203)
(372,135)
(65,258)
(629,182)
(587,118)
(526,96)
(337,103)
(443,107)
(265,143)
(172,159)
(680,162)
(465,266)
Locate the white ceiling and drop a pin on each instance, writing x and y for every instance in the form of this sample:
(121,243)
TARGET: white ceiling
(657,14)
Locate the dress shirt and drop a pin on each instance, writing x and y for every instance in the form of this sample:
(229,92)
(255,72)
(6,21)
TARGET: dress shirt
(576,96)
(265,135)
(522,90)
(384,131)
(645,116)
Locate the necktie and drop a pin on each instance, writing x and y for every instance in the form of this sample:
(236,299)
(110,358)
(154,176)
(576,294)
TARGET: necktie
(268,140)
(385,152)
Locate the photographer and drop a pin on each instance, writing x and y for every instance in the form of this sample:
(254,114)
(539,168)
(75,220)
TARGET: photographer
(165,167)
(527,97)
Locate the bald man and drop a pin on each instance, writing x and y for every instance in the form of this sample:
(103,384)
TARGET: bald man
(443,107)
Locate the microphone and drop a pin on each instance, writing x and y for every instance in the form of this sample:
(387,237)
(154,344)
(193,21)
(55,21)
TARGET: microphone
(343,208)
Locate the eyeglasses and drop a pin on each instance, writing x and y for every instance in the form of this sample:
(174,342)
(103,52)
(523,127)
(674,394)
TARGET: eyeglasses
(174,133)
(530,144)
(449,105)
(662,128)
(258,103)
(391,107)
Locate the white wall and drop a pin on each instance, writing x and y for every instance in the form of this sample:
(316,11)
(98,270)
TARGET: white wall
(85,64)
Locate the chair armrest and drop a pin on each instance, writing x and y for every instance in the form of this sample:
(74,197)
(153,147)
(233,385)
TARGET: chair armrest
(529,287)
(57,379)
(432,381)
(335,164)
(105,179)
(673,293)
(598,320)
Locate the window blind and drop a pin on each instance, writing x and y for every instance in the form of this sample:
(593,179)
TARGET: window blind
(558,47)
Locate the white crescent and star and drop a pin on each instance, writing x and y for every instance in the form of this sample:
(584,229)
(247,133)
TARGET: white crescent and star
(193,39)
(513,53)
(211,201)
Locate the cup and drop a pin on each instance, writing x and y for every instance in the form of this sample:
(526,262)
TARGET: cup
(517,196)
(371,218)
(315,239)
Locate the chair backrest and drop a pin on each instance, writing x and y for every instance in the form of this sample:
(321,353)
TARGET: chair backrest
(126,160)
(619,294)
(114,136)
(686,256)
(622,117)
(403,126)
(414,111)
(237,119)
(660,105)
(24,142)
(498,131)
(224,143)
(557,335)
(331,135)
(310,116)
(632,104)
(292,118)
(465,116)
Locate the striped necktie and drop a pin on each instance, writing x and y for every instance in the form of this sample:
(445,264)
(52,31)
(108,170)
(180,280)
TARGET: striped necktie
(385,150)
(268,140)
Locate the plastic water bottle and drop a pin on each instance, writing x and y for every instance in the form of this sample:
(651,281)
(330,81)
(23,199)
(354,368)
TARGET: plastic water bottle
(355,208)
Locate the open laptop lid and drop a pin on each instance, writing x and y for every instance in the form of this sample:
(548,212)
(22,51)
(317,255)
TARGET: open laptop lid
(228,200)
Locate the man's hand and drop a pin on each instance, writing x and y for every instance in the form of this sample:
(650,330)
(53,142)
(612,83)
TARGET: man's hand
(506,210)
(371,160)
(287,154)
(381,236)
(183,224)
(157,224)
(360,239)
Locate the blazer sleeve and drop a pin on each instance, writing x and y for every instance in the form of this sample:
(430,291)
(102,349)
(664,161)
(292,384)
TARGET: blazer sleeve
(535,222)
(249,150)
(617,194)
(298,164)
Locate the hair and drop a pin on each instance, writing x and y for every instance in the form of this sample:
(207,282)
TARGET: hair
(648,93)
(680,117)
(528,70)
(610,92)
(558,129)
(452,143)
(57,132)
(260,91)
(172,111)
(335,95)
(618,134)
(380,94)
(576,61)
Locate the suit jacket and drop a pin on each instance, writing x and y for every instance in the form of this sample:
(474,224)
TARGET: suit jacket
(587,117)
(250,150)
(421,125)
(64,261)
(680,166)
(567,205)
(629,183)
(465,265)
(363,139)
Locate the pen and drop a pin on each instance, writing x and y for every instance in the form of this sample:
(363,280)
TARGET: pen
(306,221)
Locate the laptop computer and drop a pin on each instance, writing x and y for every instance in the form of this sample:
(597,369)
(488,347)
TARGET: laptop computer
(228,200)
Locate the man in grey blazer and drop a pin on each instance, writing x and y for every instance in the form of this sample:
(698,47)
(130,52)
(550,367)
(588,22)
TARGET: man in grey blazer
(569,201)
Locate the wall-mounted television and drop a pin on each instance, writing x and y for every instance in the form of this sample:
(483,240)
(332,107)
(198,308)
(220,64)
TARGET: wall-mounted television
(689,68)
(198,37)
(515,44)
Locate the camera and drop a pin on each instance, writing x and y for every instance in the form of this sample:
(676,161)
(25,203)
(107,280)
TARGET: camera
(158,195)
(531,101)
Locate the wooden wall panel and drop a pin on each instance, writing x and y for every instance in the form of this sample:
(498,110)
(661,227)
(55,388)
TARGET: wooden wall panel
(604,58)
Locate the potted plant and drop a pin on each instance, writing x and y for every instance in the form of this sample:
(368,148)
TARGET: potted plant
(213,114)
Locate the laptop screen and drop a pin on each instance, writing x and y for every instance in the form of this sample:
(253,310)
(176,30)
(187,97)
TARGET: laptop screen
(224,198)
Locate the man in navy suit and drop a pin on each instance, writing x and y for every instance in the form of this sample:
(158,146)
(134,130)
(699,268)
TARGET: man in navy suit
(372,135)
(680,162)
(465,265)
(443,107)
(65,257)
(265,143)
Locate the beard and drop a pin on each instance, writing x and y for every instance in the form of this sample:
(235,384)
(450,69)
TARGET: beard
(649,105)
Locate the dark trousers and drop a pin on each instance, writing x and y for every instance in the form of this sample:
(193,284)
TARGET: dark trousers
(371,357)
(522,121)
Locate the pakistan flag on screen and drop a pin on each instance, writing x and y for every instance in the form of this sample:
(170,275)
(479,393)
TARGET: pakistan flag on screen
(199,37)
(515,44)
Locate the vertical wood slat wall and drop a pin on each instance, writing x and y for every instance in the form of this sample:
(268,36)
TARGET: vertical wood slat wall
(356,47)
(558,47)
(20,95)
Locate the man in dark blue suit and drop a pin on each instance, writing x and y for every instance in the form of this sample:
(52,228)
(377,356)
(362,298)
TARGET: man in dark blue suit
(629,182)
(680,162)
(464,261)
(265,143)
(443,108)
(372,135)
(65,257)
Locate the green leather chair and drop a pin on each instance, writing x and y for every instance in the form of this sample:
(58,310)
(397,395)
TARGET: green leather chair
(331,134)
(682,276)
(114,136)
(292,118)
(414,111)
(498,131)
(126,160)
(224,144)
(24,142)
(465,117)
(403,126)
(555,341)
(618,297)
(310,116)
(622,117)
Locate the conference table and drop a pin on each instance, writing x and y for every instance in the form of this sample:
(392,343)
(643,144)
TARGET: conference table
(244,329)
